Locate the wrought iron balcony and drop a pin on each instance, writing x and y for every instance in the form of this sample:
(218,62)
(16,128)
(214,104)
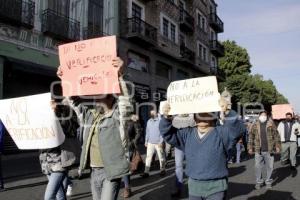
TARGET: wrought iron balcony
(216,23)
(93,32)
(60,26)
(186,21)
(17,12)
(141,32)
(187,54)
(216,48)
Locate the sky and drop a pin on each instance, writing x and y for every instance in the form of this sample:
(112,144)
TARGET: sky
(270,31)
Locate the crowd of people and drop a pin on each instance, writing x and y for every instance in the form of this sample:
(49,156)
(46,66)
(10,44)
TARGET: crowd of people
(100,140)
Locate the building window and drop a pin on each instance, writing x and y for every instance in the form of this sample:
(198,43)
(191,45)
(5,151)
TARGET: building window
(163,70)
(182,40)
(203,52)
(201,21)
(213,62)
(136,11)
(62,7)
(138,62)
(165,27)
(213,35)
(169,29)
(181,75)
(173,32)
(95,17)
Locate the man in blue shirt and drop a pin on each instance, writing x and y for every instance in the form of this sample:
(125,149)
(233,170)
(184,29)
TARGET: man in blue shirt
(205,146)
(154,142)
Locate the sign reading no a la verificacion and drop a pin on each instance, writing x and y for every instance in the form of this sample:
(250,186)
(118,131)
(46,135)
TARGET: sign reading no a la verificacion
(31,122)
(197,95)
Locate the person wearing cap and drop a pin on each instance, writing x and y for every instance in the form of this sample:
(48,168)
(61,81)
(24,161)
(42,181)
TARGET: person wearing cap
(264,141)
(205,146)
(288,130)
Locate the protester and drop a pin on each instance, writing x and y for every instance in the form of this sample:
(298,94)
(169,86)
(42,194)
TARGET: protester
(264,141)
(56,162)
(134,131)
(288,130)
(105,144)
(2,132)
(239,147)
(205,147)
(154,142)
(230,114)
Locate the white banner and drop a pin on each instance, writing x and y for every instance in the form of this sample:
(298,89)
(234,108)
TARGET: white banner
(197,95)
(31,122)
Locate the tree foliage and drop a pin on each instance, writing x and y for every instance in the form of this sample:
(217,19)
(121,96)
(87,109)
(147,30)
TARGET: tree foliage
(245,87)
(235,56)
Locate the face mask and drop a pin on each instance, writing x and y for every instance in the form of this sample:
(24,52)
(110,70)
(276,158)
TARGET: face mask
(263,119)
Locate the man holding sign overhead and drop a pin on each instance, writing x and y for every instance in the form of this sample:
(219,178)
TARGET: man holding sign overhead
(205,145)
(91,68)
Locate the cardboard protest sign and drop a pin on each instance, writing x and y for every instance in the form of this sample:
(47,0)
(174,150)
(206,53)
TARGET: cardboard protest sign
(86,67)
(197,95)
(279,110)
(31,122)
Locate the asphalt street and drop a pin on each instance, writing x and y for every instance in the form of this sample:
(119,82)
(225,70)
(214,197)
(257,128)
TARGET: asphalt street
(24,181)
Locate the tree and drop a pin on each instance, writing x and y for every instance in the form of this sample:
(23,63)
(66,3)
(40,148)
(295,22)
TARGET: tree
(236,60)
(245,87)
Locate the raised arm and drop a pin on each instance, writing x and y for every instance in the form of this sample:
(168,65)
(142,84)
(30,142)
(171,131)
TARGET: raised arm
(172,135)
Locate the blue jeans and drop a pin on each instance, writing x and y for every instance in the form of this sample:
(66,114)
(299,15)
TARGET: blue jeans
(238,152)
(179,157)
(103,189)
(126,180)
(56,187)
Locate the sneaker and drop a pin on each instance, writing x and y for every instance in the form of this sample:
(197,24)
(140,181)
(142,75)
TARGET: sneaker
(162,173)
(294,171)
(258,186)
(69,190)
(127,193)
(144,175)
(268,186)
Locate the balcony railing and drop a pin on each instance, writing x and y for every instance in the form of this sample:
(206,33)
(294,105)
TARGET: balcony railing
(217,48)
(93,32)
(60,26)
(187,54)
(216,23)
(141,31)
(17,12)
(186,21)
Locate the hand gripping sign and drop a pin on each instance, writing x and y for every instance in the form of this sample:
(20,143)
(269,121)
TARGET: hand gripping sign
(196,95)
(86,67)
(31,122)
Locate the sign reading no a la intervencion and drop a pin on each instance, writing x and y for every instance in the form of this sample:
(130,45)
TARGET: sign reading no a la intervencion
(87,67)
(31,122)
(197,95)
